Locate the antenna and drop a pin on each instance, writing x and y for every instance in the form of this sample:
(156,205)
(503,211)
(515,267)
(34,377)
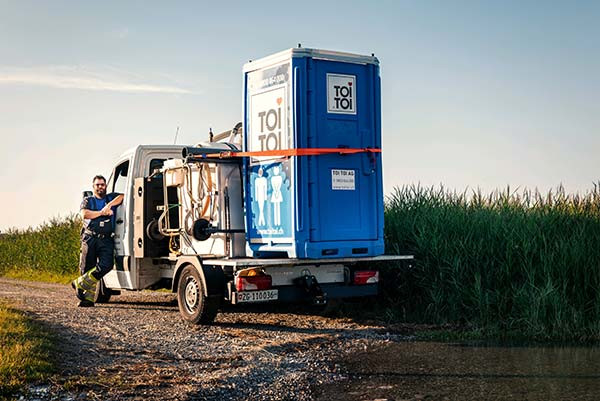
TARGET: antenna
(176,132)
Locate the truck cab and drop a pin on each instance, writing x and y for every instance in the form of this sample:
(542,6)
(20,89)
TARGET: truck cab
(129,272)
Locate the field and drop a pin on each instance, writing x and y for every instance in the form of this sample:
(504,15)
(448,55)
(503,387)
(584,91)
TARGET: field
(510,263)
(49,252)
(515,263)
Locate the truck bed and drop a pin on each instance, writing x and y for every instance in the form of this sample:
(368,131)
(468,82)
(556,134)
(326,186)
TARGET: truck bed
(241,263)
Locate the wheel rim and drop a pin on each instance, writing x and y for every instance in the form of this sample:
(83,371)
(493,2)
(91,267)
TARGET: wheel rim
(192,295)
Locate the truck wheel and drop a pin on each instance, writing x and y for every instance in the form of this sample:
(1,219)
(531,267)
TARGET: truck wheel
(194,306)
(103,293)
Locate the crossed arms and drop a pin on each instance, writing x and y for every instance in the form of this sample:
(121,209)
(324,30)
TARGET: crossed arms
(106,210)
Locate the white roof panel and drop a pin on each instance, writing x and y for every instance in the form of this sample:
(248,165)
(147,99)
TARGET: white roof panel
(306,52)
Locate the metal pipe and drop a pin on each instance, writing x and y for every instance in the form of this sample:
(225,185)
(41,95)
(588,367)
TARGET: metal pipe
(195,151)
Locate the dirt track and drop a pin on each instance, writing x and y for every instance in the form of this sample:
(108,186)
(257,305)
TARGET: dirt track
(138,347)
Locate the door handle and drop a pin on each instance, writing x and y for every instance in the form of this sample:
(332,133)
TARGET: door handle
(120,221)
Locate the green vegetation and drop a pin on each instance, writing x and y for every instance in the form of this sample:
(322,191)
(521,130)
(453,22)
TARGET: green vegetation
(49,252)
(25,351)
(516,264)
(510,263)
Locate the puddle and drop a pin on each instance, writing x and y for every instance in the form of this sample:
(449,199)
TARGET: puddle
(426,370)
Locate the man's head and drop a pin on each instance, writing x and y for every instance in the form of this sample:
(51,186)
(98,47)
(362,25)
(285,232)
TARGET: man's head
(99,186)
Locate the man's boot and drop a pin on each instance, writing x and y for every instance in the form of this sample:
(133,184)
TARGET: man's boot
(85,287)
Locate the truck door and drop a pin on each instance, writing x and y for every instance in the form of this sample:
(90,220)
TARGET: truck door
(121,184)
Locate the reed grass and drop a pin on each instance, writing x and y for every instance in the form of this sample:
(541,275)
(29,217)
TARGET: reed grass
(507,262)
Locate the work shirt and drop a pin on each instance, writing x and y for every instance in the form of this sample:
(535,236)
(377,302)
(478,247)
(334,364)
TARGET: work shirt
(101,224)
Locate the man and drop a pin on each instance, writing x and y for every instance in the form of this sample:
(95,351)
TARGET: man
(97,244)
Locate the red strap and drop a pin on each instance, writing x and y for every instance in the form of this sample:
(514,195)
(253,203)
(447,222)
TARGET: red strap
(294,152)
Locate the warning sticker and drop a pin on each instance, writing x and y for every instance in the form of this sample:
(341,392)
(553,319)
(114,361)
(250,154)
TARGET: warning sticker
(342,180)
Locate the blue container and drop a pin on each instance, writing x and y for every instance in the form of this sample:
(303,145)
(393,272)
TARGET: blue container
(321,206)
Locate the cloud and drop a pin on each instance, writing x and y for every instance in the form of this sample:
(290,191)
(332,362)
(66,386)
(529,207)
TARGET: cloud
(86,78)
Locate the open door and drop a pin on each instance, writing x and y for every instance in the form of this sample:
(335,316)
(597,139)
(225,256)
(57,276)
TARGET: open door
(121,185)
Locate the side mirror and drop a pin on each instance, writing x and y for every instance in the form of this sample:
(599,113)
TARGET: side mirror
(87,193)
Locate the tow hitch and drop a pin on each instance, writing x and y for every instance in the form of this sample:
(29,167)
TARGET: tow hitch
(312,288)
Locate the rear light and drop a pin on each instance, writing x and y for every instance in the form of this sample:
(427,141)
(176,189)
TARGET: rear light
(250,283)
(366,277)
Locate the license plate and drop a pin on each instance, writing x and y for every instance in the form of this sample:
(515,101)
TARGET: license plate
(257,296)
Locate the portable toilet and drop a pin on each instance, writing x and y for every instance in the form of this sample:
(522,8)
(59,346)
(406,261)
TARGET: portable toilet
(302,200)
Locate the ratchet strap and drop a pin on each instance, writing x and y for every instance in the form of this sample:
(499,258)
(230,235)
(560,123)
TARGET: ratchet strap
(293,152)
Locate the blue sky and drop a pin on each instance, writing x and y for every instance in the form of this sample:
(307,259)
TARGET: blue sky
(475,94)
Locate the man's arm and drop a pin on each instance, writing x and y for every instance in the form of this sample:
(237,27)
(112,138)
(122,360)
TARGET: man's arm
(91,214)
(86,213)
(115,202)
(106,210)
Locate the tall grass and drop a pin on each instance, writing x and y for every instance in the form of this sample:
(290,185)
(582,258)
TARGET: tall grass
(49,251)
(510,261)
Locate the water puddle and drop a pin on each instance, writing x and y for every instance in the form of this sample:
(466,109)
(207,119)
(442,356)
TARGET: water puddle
(424,370)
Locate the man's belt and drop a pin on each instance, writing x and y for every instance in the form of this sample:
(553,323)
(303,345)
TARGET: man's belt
(97,235)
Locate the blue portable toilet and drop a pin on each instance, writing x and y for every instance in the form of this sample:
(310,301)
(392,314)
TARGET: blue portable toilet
(317,205)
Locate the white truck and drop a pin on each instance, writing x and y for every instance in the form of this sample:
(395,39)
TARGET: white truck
(181,227)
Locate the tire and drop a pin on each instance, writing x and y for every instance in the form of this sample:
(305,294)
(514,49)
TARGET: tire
(194,306)
(103,293)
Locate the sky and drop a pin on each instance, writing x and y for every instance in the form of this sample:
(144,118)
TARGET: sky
(474,94)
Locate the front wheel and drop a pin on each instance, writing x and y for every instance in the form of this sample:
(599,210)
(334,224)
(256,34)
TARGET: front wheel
(194,305)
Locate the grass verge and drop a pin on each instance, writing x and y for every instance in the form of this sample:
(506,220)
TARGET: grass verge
(39,275)
(25,351)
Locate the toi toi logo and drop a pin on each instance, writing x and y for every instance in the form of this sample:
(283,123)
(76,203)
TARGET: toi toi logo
(270,127)
(341,94)
(343,97)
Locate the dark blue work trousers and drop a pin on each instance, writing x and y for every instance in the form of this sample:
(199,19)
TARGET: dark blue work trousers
(96,251)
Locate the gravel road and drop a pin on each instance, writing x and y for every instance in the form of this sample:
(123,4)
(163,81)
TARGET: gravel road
(137,347)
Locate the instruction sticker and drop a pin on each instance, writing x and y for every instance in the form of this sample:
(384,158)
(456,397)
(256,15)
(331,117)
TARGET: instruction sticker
(343,180)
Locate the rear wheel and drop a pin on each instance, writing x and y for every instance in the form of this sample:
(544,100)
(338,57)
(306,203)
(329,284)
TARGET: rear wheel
(194,305)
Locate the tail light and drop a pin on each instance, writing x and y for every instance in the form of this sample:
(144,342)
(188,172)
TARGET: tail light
(250,283)
(366,277)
